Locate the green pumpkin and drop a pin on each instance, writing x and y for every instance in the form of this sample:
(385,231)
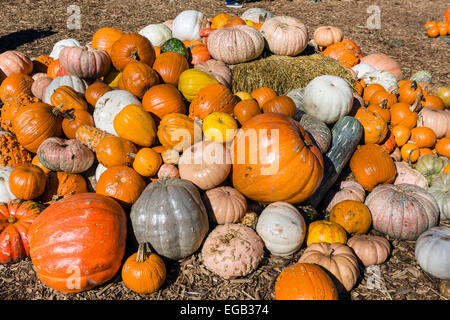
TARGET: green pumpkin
(175,45)
(431,166)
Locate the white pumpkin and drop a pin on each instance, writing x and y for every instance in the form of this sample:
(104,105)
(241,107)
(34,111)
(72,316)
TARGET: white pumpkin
(433,252)
(383,77)
(187,25)
(362,68)
(257,15)
(406,174)
(5,192)
(440,189)
(77,84)
(157,34)
(109,105)
(282,228)
(99,171)
(328,98)
(297,96)
(61,45)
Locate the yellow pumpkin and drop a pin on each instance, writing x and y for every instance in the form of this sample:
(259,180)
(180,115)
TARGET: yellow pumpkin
(325,231)
(192,80)
(243,95)
(112,78)
(219,127)
(135,124)
(147,162)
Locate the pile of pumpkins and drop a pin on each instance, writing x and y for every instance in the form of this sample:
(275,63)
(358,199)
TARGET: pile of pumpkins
(140,133)
(439,28)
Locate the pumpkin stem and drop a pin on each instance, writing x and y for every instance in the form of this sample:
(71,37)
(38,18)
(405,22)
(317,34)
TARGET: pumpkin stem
(12,219)
(383,104)
(414,85)
(417,106)
(134,55)
(142,252)
(56,111)
(132,155)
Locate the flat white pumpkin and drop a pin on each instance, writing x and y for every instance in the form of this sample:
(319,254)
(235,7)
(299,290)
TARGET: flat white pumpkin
(362,68)
(382,77)
(433,252)
(157,34)
(440,189)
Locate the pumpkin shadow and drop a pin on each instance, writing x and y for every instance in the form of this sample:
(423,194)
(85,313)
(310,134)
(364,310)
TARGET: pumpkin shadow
(15,39)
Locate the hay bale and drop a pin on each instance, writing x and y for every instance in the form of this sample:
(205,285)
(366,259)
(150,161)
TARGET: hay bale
(282,73)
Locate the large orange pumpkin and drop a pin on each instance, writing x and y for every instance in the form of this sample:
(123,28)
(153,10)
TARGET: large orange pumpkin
(79,242)
(212,98)
(163,99)
(132,47)
(275,160)
(375,127)
(104,38)
(170,65)
(15,85)
(137,78)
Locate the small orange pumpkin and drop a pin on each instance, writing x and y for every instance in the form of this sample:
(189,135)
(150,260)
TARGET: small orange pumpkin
(27,181)
(423,137)
(410,152)
(115,151)
(244,110)
(263,94)
(353,216)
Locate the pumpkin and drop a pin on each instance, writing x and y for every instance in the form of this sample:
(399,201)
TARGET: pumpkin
(285,35)
(325,231)
(406,174)
(346,134)
(349,190)
(305,281)
(177,131)
(282,228)
(225,205)
(244,110)
(401,134)
(369,249)
(212,98)
(121,183)
(65,98)
(90,136)
(39,86)
(219,70)
(144,272)
(263,95)
(175,45)
(435,119)
(443,147)
(408,92)
(16,217)
(402,211)
(180,208)
(99,249)
(383,98)
(74,120)
(104,38)
(115,151)
(362,68)
(168,171)
(328,98)
(431,166)
(375,127)
(14,86)
(384,78)
(402,114)
(432,101)
(5,191)
(344,52)
(161,100)
(372,166)
(147,162)
(77,84)
(135,124)
(157,34)
(187,25)
(318,130)
(85,62)
(55,69)
(238,248)
(12,152)
(440,190)
(423,137)
(432,252)
(70,155)
(95,91)
(242,95)
(337,258)
(325,36)
(199,53)
(257,15)
(109,105)
(58,46)
(169,66)
(192,80)
(236,44)
(371,89)
(380,61)
(220,20)
(280,104)
(170,156)
(41,63)
(272,176)
(206,164)
(235,21)
(444,93)
(12,62)
(137,78)
(352,215)
(219,126)
(27,181)
(35,123)
(62,185)
(132,47)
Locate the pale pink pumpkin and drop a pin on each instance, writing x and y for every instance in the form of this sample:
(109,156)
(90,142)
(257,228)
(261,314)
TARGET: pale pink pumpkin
(402,211)
(232,250)
(39,86)
(380,61)
(370,249)
(406,174)
(85,62)
(325,36)
(168,171)
(435,119)
(225,205)
(236,44)
(12,62)
(219,70)
(349,190)
(38,75)
(285,35)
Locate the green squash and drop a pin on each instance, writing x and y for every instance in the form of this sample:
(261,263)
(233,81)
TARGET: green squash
(431,166)
(175,45)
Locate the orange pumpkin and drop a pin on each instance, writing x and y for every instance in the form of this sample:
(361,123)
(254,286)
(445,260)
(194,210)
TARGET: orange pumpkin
(443,147)
(62,185)
(375,127)
(408,92)
(423,137)
(353,216)
(344,52)
(137,78)
(163,99)
(169,66)
(220,20)
(281,104)
(27,181)
(41,63)
(212,98)
(177,131)
(401,134)
(199,53)
(383,97)
(325,231)
(55,69)
(15,85)
(73,120)
(425,151)
(147,162)
(235,21)
(381,109)
(371,89)
(244,110)
(104,38)
(432,101)
(262,95)
(66,98)
(401,114)
(37,163)
(132,47)
(410,152)
(95,91)
(115,151)
(389,144)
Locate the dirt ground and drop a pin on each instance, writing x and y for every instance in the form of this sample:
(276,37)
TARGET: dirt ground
(33,26)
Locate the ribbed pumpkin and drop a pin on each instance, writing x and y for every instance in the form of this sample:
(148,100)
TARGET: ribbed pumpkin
(104,38)
(65,98)
(219,70)
(163,99)
(212,98)
(85,62)
(132,47)
(74,120)
(27,181)
(380,61)
(95,255)
(177,131)
(137,78)
(280,104)
(169,66)
(192,80)
(372,166)
(15,85)
(440,189)
(225,205)
(375,127)
(62,185)
(325,36)
(370,249)
(13,62)
(267,171)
